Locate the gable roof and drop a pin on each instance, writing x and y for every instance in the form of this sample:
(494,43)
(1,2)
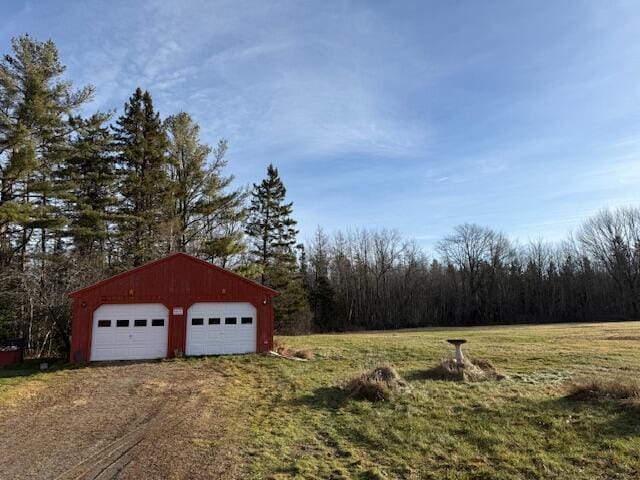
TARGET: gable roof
(153,263)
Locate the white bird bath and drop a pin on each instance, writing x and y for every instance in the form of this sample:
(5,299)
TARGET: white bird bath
(458,342)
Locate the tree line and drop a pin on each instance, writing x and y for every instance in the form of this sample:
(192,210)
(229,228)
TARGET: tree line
(83,197)
(376,280)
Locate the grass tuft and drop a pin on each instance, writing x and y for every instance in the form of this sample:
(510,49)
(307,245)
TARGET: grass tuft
(473,370)
(605,389)
(377,385)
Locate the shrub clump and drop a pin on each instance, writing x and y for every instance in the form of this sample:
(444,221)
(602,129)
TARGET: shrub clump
(377,385)
(473,370)
(605,389)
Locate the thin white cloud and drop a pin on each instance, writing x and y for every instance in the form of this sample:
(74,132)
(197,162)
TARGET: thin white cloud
(262,90)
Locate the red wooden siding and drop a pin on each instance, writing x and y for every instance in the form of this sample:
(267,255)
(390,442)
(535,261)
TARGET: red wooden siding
(9,357)
(178,280)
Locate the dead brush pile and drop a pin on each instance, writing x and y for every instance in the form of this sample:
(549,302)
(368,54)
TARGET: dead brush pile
(302,353)
(616,389)
(377,385)
(473,370)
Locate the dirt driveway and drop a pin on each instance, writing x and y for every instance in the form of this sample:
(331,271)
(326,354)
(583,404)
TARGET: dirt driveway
(126,421)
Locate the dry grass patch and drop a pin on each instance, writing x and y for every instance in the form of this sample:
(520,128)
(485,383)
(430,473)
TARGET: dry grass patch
(305,353)
(473,370)
(623,389)
(377,385)
(302,353)
(624,338)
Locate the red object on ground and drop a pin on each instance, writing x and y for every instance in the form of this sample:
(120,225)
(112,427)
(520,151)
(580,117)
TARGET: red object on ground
(10,356)
(177,281)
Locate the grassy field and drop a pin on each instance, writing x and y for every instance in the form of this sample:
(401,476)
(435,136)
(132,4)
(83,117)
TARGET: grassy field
(293,420)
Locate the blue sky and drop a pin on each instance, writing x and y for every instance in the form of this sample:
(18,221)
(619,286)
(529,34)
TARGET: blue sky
(415,116)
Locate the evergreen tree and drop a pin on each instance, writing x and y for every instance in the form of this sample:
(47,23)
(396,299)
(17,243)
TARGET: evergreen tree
(36,121)
(321,292)
(292,312)
(89,176)
(202,210)
(144,185)
(272,235)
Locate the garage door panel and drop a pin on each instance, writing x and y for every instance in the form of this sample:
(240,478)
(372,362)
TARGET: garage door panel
(221,338)
(129,342)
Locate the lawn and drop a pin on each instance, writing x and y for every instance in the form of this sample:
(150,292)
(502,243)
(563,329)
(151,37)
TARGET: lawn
(522,427)
(292,419)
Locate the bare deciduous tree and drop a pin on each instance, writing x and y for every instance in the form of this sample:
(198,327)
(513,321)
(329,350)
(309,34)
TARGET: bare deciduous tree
(612,240)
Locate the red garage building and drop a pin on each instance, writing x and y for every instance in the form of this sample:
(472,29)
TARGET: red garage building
(175,305)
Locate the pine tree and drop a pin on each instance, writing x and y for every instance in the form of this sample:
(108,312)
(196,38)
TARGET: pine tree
(272,233)
(202,209)
(270,227)
(144,186)
(223,239)
(90,177)
(36,121)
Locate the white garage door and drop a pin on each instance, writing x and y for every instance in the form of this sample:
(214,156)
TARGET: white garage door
(221,328)
(130,332)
